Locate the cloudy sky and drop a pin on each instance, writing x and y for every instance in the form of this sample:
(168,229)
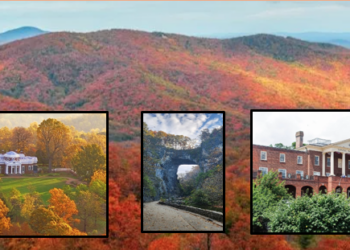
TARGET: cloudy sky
(281,127)
(185,124)
(191,18)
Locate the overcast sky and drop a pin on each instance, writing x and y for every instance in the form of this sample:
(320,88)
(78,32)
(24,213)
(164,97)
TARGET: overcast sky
(187,124)
(281,127)
(191,18)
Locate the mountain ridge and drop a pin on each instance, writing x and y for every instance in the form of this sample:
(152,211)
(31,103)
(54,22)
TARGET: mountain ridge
(127,71)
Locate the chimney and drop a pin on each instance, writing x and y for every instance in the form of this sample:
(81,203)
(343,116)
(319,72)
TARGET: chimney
(299,139)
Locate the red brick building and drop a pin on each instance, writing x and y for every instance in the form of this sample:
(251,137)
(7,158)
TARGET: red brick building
(318,166)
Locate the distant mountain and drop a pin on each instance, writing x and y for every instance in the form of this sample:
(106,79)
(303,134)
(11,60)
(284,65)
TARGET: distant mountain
(20,33)
(341,39)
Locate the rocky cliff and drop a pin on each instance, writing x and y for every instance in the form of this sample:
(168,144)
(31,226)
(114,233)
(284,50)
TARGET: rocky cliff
(163,180)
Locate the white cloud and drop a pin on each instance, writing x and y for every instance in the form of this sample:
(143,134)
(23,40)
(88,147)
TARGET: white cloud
(182,124)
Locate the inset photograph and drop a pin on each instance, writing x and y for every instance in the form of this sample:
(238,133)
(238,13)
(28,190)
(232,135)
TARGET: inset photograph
(183,177)
(300,172)
(53,174)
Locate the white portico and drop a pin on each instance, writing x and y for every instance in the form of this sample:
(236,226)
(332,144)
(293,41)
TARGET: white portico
(14,163)
(332,154)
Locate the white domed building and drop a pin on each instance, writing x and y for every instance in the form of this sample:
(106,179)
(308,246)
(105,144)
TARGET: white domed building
(14,163)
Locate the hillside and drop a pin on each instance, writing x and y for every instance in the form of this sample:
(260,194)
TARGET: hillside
(127,71)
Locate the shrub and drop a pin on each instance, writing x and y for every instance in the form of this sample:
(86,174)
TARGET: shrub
(316,214)
(199,197)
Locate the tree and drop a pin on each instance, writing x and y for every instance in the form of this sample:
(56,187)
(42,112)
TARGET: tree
(89,160)
(98,187)
(53,138)
(28,206)
(5,139)
(62,205)
(16,203)
(44,221)
(88,207)
(267,192)
(316,214)
(99,175)
(20,138)
(5,222)
(32,201)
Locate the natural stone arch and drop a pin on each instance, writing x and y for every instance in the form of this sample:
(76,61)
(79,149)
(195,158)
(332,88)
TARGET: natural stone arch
(307,190)
(291,190)
(169,177)
(322,190)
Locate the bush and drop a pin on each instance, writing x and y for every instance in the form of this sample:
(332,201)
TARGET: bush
(200,198)
(316,214)
(267,192)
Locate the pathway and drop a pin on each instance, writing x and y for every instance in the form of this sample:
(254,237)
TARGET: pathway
(158,217)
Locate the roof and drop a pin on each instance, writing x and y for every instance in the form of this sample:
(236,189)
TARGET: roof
(12,154)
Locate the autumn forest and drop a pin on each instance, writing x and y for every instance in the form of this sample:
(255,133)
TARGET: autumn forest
(126,72)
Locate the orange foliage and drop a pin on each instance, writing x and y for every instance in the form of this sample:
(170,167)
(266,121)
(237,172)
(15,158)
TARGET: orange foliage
(63,206)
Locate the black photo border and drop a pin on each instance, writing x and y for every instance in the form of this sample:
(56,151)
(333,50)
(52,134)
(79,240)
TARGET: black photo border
(107,172)
(224,145)
(251,165)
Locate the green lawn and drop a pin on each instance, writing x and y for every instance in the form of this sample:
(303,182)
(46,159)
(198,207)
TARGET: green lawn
(43,185)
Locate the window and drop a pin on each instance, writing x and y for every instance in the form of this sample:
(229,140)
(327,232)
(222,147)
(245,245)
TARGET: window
(317,173)
(348,175)
(263,170)
(301,173)
(263,155)
(317,160)
(327,174)
(284,172)
(300,160)
(339,163)
(328,161)
(282,158)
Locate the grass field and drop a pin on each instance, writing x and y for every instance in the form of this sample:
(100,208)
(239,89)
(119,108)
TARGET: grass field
(42,185)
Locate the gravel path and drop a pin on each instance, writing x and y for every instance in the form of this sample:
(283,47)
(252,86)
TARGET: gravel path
(158,217)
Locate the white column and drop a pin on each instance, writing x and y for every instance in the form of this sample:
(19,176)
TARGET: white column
(15,169)
(343,164)
(323,164)
(332,163)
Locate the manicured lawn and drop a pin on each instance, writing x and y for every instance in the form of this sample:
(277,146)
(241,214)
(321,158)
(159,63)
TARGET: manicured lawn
(43,185)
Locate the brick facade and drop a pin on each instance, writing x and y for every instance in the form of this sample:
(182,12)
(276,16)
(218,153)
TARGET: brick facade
(308,167)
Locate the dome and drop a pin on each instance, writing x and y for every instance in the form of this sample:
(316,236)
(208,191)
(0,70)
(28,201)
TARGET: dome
(11,154)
